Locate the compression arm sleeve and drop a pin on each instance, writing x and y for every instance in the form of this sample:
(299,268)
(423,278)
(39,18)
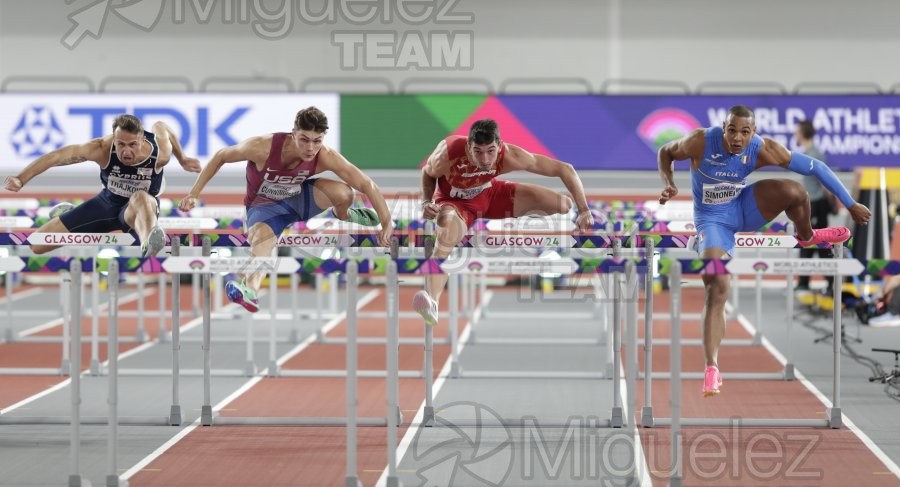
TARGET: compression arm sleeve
(803,164)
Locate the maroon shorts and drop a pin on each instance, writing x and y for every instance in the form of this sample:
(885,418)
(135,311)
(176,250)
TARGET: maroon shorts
(493,203)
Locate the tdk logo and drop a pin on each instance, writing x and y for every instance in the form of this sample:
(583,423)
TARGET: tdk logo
(37,133)
(187,122)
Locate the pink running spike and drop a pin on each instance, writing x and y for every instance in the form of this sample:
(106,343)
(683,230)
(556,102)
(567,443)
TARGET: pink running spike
(831,235)
(712,379)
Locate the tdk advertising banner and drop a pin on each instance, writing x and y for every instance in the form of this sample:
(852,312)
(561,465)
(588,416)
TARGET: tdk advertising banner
(34,124)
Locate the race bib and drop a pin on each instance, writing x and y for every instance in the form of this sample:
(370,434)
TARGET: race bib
(279,191)
(126,187)
(468,193)
(720,193)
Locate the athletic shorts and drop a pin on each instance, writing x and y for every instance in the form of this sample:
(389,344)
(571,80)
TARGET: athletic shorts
(744,217)
(103,213)
(494,203)
(282,213)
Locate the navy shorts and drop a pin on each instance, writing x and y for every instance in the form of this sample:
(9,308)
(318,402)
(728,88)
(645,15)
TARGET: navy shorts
(103,213)
(282,213)
(744,217)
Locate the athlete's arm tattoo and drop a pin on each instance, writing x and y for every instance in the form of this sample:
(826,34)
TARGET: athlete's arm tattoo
(71,160)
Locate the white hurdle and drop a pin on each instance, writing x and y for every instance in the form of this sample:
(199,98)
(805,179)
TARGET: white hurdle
(833,419)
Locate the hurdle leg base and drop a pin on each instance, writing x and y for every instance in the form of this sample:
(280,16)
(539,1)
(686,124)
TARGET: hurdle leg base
(140,336)
(398,415)
(163,336)
(294,337)
(394,482)
(274,369)
(428,416)
(95,367)
(64,368)
(834,417)
(789,372)
(9,336)
(115,481)
(647,417)
(455,370)
(75,481)
(206,417)
(175,418)
(352,481)
(617,419)
(675,482)
(609,370)
(250,368)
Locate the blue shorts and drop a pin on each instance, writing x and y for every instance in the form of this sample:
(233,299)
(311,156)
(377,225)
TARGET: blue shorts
(743,216)
(280,214)
(103,213)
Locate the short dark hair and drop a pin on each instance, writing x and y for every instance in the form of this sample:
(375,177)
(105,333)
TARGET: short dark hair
(742,111)
(484,132)
(129,123)
(806,129)
(311,119)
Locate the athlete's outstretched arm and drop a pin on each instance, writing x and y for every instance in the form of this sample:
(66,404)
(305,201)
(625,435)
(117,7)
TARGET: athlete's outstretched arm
(167,139)
(520,159)
(64,156)
(331,160)
(687,147)
(775,154)
(436,166)
(249,149)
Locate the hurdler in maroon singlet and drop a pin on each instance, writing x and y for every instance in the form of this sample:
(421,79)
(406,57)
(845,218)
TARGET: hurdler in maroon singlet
(276,182)
(474,192)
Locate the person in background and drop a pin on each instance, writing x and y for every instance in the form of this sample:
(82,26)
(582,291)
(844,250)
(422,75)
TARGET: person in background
(821,202)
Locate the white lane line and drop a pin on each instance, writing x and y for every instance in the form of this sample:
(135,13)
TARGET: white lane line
(17,295)
(35,397)
(245,387)
(103,307)
(863,437)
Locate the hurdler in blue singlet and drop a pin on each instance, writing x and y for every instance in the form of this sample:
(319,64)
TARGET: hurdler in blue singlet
(106,211)
(723,202)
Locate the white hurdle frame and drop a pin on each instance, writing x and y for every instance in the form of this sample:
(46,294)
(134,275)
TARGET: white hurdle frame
(833,415)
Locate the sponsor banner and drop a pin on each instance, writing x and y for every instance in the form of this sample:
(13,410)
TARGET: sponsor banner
(315,240)
(175,222)
(765,241)
(34,124)
(80,239)
(617,132)
(201,265)
(551,223)
(625,132)
(11,264)
(510,265)
(524,241)
(799,267)
(16,222)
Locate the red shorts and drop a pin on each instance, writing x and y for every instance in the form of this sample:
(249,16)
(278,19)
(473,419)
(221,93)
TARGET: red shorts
(493,203)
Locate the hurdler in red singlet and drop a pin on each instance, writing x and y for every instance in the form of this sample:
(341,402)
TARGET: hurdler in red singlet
(473,191)
(459,184)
